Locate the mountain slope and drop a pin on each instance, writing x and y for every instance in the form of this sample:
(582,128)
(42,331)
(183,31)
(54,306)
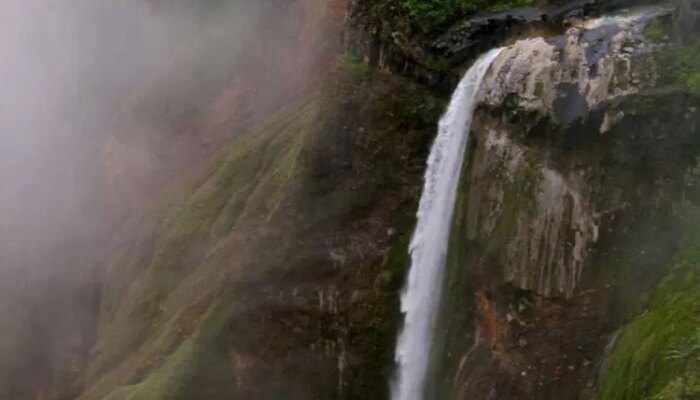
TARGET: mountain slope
(279,264)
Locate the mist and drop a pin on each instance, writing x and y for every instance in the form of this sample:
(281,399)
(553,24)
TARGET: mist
(103,103)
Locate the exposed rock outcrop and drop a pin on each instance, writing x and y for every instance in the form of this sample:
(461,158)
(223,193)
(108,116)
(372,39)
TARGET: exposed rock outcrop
(558,82)
(567,215)
(552,220)
(377,34)
(568,76)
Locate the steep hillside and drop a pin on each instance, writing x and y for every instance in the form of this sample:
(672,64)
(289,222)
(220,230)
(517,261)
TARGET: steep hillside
(279,266)
(128,100)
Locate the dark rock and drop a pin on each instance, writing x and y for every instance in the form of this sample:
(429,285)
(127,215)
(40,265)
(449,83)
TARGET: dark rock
(377,38)
(686,21)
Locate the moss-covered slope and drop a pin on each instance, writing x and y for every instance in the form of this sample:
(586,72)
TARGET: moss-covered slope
(276,274)
(656,354)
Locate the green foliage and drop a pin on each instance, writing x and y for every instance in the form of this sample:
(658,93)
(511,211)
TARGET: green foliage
(658,354)
(682,66)
(638,370)
(693,82)
(658,28)
(433,62)
(431,14)
(179,370)
(681,389)
(144,320)
(349,61)
(686,386)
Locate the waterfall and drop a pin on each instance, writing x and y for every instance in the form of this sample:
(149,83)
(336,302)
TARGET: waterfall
(421,295)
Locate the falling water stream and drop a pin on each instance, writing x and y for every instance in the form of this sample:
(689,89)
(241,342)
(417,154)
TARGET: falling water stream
(421,295)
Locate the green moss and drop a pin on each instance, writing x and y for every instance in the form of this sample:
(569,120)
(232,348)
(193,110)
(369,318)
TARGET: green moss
(519,197)
(658,28)
(151,279)
(173,380)
(434,62)
(432,14)
(349,61)
(693,82)
(656,355)
(681,65)
(641,367)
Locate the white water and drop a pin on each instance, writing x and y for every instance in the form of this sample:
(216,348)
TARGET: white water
(421,296)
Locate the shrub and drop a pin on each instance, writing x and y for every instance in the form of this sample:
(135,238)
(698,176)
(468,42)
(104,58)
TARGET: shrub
(682,66)
(429,15)
(658,28)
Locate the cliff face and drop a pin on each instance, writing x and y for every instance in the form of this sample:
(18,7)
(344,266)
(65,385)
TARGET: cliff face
(547,237)
(570,215)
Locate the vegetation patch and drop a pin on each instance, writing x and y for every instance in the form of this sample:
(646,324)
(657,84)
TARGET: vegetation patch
(681,65)
(431,14)
(657,356)
(174,379)
(658,28)
(342,164)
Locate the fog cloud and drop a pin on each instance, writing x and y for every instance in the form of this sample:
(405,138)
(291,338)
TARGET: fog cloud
(102,101)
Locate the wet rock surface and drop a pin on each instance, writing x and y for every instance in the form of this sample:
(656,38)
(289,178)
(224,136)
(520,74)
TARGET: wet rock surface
(381,39)
(559,241)
(568,76)
(687,21)
(566,218)
(557,82)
